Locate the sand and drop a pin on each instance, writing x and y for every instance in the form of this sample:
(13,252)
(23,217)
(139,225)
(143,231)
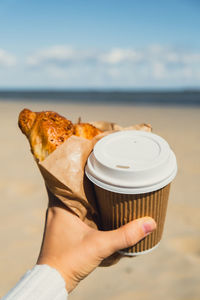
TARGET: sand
(169,272)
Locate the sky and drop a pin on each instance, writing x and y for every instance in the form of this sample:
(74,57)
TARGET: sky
(117,44)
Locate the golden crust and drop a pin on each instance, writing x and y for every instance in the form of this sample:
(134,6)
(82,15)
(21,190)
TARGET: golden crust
(86,130)
(46,133)
(26,120)
(47,130)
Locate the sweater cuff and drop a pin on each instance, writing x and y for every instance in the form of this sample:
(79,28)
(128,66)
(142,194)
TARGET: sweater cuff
(42,282)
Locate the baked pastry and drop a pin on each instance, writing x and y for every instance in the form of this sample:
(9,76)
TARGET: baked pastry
(47,130)
(86,130)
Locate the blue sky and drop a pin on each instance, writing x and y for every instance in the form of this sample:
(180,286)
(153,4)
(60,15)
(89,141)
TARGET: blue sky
(99,44)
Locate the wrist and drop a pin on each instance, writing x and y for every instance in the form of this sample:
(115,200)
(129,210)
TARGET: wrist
(70,283)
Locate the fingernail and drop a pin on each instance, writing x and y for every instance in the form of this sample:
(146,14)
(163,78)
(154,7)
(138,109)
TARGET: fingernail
(149,226)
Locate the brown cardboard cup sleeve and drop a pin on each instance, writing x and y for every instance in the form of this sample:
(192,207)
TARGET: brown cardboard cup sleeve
(119,209)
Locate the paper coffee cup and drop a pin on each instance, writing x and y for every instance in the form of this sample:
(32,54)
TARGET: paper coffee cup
(132,171)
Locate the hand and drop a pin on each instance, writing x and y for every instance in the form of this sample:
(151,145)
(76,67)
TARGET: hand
(75,249)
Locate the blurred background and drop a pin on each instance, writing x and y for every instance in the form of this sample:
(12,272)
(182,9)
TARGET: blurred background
(122,61)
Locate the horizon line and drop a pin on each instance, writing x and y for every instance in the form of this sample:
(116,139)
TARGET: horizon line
(96,89)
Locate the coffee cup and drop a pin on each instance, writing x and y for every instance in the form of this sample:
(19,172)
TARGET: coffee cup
(132,172)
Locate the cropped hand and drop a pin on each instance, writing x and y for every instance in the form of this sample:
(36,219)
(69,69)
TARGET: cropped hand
(75,249)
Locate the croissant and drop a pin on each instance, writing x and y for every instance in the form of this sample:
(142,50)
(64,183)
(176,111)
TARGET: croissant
(86,130)
(47,130)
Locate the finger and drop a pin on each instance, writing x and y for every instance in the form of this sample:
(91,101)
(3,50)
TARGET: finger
(127,235)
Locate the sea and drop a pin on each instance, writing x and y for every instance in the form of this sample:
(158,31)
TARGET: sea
(112,97)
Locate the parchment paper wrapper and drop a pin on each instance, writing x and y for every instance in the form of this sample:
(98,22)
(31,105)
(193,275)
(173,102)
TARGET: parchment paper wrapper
(118,209)
(63,173)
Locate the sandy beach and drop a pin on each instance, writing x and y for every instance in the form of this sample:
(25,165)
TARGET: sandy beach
(169,272)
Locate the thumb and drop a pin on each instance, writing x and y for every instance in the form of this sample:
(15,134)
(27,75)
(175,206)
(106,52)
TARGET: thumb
(127,235)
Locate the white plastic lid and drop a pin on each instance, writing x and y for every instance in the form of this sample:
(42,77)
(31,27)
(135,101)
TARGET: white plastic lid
(131,162)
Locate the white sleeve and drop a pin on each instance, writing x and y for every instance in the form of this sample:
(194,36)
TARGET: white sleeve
(40,283)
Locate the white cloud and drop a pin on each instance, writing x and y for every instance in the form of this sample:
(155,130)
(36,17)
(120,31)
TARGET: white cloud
(115,56)
(62,55)
(59,55)
(7,59)
(154,65)
(67,66)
